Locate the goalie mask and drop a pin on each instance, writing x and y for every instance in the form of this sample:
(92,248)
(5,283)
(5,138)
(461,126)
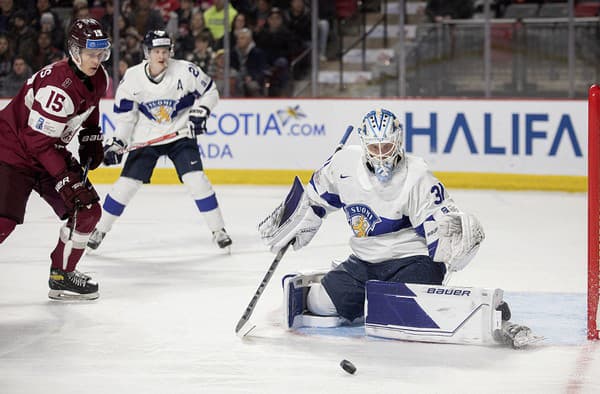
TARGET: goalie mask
(87,34)
(381,139)
(156,39)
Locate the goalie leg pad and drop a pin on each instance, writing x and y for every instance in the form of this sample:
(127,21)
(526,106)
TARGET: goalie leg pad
(295,311)
(429,313)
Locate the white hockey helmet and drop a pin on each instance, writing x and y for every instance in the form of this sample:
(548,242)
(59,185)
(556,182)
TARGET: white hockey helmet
(382,141)
(156,39)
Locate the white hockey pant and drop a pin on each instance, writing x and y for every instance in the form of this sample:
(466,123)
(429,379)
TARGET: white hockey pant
(201,189)
(121,194)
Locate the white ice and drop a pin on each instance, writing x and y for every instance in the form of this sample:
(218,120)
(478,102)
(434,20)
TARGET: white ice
(170,300)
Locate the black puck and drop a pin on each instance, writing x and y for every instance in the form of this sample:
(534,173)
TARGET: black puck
(348,366)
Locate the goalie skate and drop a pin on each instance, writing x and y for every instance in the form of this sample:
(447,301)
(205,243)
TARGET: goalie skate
(517,336)
(95,239)
(71,286)
(222,239)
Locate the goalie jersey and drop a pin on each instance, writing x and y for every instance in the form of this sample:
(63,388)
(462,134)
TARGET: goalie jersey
(146,109)
(386,219)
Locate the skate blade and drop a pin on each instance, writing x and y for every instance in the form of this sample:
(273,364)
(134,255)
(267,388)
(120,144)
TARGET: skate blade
(64,295)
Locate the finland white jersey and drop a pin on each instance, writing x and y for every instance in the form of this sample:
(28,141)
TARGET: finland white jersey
(386,220)
(146,109)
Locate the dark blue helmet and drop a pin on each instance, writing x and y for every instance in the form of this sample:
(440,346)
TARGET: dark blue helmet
(156,39)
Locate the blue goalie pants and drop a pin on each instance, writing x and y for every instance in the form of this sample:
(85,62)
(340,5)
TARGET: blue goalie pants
(346,283)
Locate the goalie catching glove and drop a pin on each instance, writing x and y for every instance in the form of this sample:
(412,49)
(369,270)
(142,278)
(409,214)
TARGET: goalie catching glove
(294,220)
(454,239)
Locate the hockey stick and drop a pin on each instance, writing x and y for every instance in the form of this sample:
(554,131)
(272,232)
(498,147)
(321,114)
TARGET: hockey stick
(243,322)
(152,141)
(69,244)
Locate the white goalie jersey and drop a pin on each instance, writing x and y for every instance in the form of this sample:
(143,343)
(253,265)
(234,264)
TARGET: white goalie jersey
(388,220)
(146,109)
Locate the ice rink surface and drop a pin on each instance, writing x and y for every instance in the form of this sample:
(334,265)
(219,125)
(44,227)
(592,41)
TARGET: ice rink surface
(170,300)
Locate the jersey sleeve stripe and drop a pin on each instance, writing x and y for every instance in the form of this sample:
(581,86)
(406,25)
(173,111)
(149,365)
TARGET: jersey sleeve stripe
(124,106)
(208,87)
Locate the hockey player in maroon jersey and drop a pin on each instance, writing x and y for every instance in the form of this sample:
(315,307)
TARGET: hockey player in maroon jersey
(56,104)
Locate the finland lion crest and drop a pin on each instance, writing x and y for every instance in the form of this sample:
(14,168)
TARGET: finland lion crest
(361,218)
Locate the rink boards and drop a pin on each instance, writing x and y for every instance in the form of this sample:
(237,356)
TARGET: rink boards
(468,143)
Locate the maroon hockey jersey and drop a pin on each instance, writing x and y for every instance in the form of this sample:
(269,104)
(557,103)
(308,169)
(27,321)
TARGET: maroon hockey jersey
(45,115)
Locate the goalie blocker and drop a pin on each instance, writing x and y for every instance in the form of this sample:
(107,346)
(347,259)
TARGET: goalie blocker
(414,312)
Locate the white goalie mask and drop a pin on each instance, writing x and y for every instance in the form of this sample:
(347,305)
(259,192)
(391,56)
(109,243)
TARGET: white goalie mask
(382,142)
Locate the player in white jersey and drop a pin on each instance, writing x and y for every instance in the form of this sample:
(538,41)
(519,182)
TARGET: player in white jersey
(158,97)
(406,227)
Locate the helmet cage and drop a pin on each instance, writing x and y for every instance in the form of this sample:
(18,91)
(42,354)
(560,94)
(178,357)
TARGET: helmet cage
(382,141)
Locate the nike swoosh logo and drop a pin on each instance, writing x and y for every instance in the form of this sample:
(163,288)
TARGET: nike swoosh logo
(344,176)
(193,162)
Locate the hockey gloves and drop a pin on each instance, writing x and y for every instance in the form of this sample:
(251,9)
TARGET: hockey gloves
(197,120)
(295,220)
(113,153)
(74,192)
(90,146)
(457,237)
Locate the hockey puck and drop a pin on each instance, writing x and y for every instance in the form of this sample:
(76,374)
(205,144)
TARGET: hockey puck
(348,366)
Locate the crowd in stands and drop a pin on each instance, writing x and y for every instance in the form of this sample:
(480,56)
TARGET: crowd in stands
(265,37)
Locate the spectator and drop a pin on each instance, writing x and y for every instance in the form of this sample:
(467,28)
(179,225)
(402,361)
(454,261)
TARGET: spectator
(202,53)
(144,18)
(125,62)
(22,36)
(298,21)
(15,79)
(263,7)
(168,11)
(49,25)
(249,61)
(326,18)
(133,46)
(184,14)
(439,10)
(214,17)
(167,8)
(6,56)
(217,73)
(239,22)
(107,19)
(280,46)
(186,41)
(42,7)
(244,6)
(45,52)
(7,10)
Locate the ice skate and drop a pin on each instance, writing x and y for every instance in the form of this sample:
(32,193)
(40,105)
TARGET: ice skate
(95,239)
(221,238)
(71,285)
(517,336)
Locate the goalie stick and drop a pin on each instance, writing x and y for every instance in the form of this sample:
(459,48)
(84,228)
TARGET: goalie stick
(243,328)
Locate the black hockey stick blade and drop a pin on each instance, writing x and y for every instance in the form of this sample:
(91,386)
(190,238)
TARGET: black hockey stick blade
(263,284)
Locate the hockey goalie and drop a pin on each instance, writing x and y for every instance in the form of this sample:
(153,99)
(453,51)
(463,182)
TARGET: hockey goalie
(407,235)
